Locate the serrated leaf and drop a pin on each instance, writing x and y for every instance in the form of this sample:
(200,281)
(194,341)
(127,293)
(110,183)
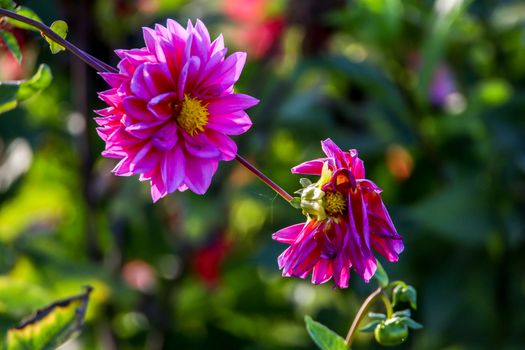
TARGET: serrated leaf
(39,81)
(59,27)
(324,337)
(26,12)
(50,327)
(381,275)
(12,45)
(370,327)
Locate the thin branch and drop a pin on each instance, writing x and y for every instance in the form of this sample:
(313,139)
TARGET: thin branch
(49,33)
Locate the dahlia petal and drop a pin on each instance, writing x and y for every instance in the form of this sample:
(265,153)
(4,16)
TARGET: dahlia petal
(158,188)
(166,137)
(161,106)
(226,146)
(289,234)
(136,108)
(311,167)
(113,79)
(199,173)
(201,147)
(157,80)
(229,71)
(176,30)
(144,160)
(322,271)
(185,76)
(139,86)
(234,124)
(172,167)
(231,103)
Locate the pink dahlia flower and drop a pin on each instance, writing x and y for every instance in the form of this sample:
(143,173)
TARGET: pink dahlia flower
(346,219)
(172,107)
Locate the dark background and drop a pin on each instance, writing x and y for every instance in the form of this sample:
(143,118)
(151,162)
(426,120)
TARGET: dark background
(431,94)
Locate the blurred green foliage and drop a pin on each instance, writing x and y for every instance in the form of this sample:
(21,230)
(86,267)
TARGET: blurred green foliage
(432,94)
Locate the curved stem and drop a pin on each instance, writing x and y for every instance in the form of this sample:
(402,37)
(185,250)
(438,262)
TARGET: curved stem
(49,33)
(388,305)
(285,195)
(360,314)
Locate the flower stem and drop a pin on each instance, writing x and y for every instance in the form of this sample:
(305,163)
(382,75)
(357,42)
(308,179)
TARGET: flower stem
(388,305)
(285,195)
(49,33)
(360,314)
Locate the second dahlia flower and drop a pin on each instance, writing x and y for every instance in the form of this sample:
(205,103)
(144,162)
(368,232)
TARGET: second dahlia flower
(172,107)
(346,221)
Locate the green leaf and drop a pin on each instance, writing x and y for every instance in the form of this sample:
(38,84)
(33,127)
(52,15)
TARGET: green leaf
(59,27)
(12,45)
(7,4)
(12,92)
(8,99)
(39,81)
(381,275)
(402,313)
(370,327)
(26,12)
(50,327)
(324,337)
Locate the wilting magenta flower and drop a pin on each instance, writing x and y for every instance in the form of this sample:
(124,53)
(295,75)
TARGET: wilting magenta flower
(171,107)
(346,219)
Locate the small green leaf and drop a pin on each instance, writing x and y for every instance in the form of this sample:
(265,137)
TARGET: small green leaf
(26,12)
(370,326)
(7,4)
(381,275)
(50,327)
(324,337)
(39,81)
(8,99)
(59,27)
(11,43)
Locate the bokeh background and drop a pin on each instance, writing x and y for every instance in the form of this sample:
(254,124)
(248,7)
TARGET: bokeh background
(432,94)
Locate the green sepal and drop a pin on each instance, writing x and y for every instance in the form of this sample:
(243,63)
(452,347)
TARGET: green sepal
(411,323)
(305,182)
(59,27)
(370,326)
(381,276)
(26,12)
(324,337)
(376,316)
(11,44)
(404,293)
(402,313)
(296,202)
(50,327)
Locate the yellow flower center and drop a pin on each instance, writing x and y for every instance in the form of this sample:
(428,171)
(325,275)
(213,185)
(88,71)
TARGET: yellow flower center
(334,203)
(193,115)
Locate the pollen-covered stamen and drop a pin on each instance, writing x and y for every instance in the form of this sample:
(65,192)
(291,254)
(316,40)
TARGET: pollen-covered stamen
(334,203)
(191,115)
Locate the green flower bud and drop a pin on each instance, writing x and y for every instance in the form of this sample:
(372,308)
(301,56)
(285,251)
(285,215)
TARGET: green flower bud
(391,332)
(404,293)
